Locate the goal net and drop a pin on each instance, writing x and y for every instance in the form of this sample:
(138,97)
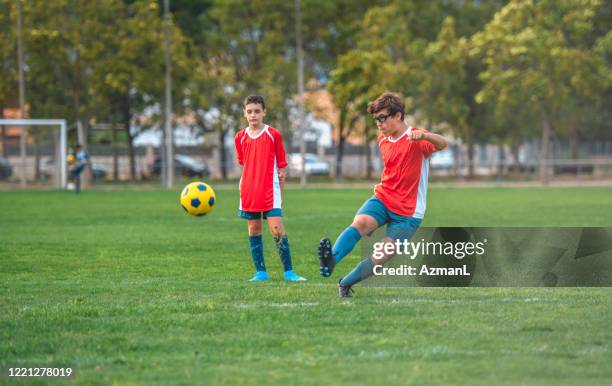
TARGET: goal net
(40,155)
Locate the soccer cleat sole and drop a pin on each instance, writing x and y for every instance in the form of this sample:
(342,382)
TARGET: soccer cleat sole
(326,257)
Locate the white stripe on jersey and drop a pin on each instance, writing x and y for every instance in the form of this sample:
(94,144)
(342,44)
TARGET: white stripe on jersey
(409,129)
(240,187)
(419,210)
(269,135)
(276,187)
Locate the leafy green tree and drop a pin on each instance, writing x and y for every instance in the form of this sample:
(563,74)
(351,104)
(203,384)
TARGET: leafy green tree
(250,47)
(535,54)
(358,79)
(100,61)
(62,39)
(237,58)
(8,61)
(330,30)
(444,78)
(597,113)
(427,44)
(126,74)
(587,113)
(56,76)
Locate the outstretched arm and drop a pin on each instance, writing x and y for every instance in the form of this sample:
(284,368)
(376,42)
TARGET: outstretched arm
(437,140)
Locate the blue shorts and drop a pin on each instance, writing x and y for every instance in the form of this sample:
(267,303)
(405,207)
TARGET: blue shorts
(276,212)
(398,227)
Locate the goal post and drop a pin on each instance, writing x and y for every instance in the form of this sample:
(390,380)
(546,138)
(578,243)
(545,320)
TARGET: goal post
(61,168)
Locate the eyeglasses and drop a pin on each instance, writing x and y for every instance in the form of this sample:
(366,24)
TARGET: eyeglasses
(382,118)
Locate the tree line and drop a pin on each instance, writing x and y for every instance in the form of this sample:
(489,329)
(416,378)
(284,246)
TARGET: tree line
(496,71)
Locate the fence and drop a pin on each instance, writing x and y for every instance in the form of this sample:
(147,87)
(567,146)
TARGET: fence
(110,166)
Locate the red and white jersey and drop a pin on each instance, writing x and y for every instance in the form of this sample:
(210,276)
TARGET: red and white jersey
(261,156)
(403,186)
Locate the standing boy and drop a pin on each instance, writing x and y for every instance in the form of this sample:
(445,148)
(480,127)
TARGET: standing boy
(260,151)
(399,199)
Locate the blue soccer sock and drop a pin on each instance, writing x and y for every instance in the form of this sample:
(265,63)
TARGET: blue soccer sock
(256,243)
(345,243)
(361,272)
(284,251)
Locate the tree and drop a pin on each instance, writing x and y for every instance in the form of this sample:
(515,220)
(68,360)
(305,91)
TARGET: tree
(448,77)
(427,44)
(126,74)
(533,54)
(240,58)
(444,79)
(8,63)
(100,61)
(358,79)
(59,54)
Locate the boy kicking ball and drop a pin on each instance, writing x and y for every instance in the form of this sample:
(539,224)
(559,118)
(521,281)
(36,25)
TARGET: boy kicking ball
(260,152)
(399,199)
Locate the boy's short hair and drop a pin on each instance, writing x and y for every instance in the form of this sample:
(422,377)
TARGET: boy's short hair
(394,103)
(258,99)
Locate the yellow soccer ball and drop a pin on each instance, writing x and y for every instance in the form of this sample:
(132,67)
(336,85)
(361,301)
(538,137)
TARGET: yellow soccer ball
(198,198)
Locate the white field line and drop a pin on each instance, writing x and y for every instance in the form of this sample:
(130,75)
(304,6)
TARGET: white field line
(463,301)
(260,304)
(272,305)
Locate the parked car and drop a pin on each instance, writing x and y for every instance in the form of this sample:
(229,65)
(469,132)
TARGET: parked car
(314,165)
(98,171)
(183,166)
(6,170)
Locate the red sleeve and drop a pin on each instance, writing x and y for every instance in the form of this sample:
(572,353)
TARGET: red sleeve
(238,144)
(427,148)
(281,157)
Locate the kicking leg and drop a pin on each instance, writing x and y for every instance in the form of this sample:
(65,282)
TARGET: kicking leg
(363,224)
(362,271)
(400,228)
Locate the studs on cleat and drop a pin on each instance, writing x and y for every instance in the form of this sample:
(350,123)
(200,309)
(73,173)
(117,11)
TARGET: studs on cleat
(326,257)
(324,271)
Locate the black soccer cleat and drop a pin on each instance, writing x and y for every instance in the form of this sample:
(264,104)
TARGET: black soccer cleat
(326,258)
(345,291)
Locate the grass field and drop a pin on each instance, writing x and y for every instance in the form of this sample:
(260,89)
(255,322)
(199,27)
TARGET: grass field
(125,288)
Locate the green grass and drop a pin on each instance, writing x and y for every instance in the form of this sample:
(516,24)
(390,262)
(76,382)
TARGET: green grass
(126,289)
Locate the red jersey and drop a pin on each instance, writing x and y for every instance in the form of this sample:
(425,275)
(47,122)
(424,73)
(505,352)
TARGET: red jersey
(403,185)
(261,156)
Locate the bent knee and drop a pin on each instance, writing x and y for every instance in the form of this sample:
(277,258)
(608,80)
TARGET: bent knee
(277,230)
(364,224)
(381,260)
(254,229)
(277,233)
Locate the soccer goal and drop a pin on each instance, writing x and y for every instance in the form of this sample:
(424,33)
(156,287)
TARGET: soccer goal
(61,147)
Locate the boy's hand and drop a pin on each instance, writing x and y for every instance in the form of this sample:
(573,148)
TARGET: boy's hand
(281,177)
(437,140)
(417,135)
